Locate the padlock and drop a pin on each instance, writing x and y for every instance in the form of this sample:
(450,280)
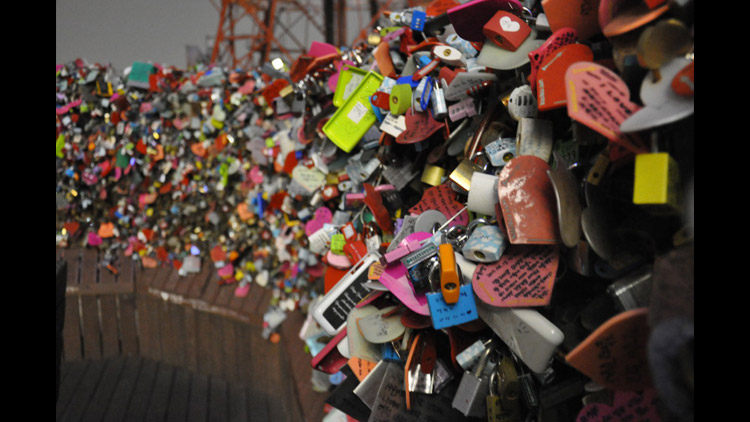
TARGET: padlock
(400,99)
(486,243)
(470,398)
(446,315)
(337,244)
(439,108)
(494,406)
(461,175)
(450,278)
(500,151)
(422,93)
(509,388)
(632,291)
(656,185)
(506,30)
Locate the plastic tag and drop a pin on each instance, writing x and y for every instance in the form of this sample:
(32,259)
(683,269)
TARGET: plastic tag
(464,81)
(448,315)
(462,109)
(615,354)
(359,346)
(419,126)
(523,276)
(309,179)
(321,217)
(527,201)
(350,122)
(382,326)
(559,38)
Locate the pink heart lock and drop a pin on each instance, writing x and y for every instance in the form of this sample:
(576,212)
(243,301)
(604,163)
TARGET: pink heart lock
(94,239)
(256,175)
(242,290)
(394,278)
(226,272)
(598,98)
(322,217)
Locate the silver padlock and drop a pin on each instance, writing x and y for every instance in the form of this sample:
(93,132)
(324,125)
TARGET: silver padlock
(470,398)
(439,107)
(486,242)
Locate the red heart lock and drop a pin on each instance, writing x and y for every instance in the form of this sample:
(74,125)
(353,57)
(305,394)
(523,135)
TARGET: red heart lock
(558,39)
(550,90)
(419,126)
(506,30)
(468,18)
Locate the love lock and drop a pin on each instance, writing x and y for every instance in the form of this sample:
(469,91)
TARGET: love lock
(486,242)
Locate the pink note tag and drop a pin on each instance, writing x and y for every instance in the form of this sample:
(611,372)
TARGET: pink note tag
(598,98)
(523,277)
(441,198)
(394,278)
(528,202)
(626,406)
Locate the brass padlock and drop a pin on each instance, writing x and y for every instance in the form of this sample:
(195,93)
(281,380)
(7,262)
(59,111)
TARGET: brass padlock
(466,168)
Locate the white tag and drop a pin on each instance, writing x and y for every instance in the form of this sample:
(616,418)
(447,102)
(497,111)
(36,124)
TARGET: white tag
(357,112)
(393,125)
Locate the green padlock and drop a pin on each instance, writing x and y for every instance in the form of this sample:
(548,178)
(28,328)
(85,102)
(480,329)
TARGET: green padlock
(400,99)
(337,243)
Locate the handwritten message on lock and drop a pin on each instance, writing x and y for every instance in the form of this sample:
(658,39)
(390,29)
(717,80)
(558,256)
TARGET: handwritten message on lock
(600,99)
(441,198)
(626,406)
(523,277)
(615,354)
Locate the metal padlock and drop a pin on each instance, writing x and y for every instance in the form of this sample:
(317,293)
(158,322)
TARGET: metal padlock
(422,93)
(439,107)
(444,315)
(500,151)
(461,175)
(486,243)
(470,398)
(494,406)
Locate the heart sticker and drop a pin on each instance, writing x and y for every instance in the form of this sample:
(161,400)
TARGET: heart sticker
(615,354)
(598,98)
(321,217)
(626,406)
(309,179)
(508,25)
(551,84)
(560,38)
(395,279)
(662,104)
(523,277)
(419,126)
(468,18)
(527,200)
(441,198)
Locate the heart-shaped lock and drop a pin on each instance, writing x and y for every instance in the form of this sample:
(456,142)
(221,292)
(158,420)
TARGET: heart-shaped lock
(244,211)
(106,230)
(600,99)
(321,217)
(93,239)
(419,126)
(559,38)
(506,30)
(551,85)
(309,179)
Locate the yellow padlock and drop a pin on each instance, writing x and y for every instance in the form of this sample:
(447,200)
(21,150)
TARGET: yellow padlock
(656,185)
(433,175)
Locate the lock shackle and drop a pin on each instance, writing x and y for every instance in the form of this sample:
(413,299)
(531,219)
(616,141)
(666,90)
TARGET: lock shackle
(485,358)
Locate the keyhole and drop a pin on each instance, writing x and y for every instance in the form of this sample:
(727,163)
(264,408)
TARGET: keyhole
(450,286)
(479,254)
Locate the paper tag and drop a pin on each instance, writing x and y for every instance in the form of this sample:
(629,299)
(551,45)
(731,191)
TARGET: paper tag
(615,354)
(441,198)
(528,203)
(357,112)
(600,99)
(524,276)
(626,406)
(393,125)
(419,126)
(377,328)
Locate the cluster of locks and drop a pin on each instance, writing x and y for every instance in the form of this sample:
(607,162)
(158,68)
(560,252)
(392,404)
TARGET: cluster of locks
(485,209)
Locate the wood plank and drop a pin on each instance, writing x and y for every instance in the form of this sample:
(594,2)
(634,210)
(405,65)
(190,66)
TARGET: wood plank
(230,351)
(73,373)
(167,337)
(258,393)
(243,335)
(183,285)
(216,345)
(238,405)
(177,335)
(92,348)
(104,391)
(109,326)
(161,277)
(254,296)
(236,303)
(128,328)
(191,338)
(154,304)
(72,347)
(204,340)
(172,281)
(218,408)
(84,392)
(212,289)
(157,409)
(226,293)
(198,406)
(126,307)
(278,405)
(118,405)
(201,281)
(139,402)
(179,397)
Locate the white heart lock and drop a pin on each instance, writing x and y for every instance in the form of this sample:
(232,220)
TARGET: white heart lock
(508,25)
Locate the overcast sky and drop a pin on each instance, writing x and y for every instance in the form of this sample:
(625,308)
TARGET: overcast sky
(121,32)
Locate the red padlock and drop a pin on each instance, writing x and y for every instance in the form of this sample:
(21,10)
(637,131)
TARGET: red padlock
(506,30)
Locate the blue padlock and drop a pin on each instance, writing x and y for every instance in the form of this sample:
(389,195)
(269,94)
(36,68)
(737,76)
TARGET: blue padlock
(501,151)
(485,244)
(446,315)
